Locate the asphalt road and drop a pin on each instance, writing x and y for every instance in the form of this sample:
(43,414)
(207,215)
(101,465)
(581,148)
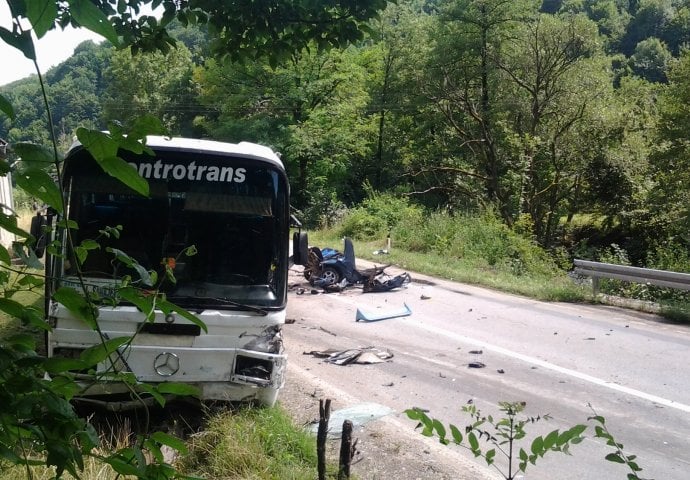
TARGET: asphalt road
(561,359)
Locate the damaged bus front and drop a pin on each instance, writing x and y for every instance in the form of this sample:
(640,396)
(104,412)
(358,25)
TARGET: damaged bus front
(217,217)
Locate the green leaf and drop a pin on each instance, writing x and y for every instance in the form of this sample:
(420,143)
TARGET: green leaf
(123,171)
(550,440)
(170,441)
(100,145)
(144,274)
(98,353)
(440,429)
(122,467)
(153,391)
(615,458)
(104,150)
(412,413)
(33,155)
(523,455)
(9,223)
(77,305)
(598,418)
(167,307)
(88,244)
(58,365)
(28,315)
(144,125)
(22,342)
(87,15)
(20,41)
(474,443)
(28,257)
(537,446)
(41,15)
(490,456)
(6,107)
(64,385)
(457,435)
(141,301)
(40,185)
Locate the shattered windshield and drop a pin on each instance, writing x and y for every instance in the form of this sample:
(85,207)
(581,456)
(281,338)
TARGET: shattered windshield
(225,241)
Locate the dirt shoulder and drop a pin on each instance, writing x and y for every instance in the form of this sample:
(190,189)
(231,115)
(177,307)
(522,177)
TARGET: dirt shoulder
(387,448)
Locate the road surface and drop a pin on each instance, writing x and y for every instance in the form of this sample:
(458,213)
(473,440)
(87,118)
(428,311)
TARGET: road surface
(561,359)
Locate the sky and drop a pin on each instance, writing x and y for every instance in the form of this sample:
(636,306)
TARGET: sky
(55,47)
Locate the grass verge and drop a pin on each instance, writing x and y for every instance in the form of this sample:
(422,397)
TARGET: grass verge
(251,444)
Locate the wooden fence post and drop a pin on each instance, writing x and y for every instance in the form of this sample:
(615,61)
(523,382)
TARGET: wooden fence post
(324,416)
(346,451)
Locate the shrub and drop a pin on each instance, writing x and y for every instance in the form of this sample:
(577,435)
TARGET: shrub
(378,215)
(359,224)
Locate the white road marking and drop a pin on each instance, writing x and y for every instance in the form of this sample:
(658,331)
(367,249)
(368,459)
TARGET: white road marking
(535,361)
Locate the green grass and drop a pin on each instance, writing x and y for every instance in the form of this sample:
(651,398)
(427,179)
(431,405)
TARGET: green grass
(252,444)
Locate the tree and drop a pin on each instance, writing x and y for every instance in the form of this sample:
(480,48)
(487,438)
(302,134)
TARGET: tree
(151,83)
(650,20)
(556,81)
(310,108)
(461,83)
(671,161)
(651,59)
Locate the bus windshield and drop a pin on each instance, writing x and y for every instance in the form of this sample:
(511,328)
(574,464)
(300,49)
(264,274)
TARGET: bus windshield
(236,224)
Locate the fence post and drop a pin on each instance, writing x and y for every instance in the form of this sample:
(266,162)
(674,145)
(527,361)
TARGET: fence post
(324,416)
(346,451)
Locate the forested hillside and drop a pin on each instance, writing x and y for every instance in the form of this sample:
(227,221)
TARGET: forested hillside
(568,119)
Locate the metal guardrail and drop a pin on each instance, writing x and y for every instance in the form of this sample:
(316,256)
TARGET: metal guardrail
(661,278)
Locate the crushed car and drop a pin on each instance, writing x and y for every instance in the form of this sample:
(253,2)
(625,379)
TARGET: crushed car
(333,270)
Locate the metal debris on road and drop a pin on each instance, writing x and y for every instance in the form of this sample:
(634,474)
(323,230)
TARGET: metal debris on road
(363,355)
(373,317)
(476,365)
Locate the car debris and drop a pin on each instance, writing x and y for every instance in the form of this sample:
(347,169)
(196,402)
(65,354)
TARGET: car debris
(376,284)
(476,365)
(359,415)
(373,317)
(361,355)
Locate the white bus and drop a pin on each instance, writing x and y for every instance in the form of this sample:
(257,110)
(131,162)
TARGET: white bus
(229,202)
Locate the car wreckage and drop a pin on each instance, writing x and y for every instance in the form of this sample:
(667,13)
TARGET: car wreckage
(333,270)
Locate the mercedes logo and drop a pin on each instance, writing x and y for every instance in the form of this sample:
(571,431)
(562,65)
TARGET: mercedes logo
(166,364)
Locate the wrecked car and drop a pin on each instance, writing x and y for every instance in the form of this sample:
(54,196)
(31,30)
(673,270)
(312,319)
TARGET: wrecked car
(332,270)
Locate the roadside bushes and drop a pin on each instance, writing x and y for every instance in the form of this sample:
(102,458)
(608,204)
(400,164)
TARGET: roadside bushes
(480,240)
(377,216)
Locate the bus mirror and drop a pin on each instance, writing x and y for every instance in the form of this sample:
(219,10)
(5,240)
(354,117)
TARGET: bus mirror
(37,230)
(300,248)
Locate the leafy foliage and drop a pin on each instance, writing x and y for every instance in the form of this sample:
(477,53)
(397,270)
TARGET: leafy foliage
(502,435)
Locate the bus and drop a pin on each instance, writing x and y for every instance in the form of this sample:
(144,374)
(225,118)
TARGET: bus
(218,217)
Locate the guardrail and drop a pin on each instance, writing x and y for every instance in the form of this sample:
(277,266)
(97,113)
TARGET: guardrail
(661,278)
